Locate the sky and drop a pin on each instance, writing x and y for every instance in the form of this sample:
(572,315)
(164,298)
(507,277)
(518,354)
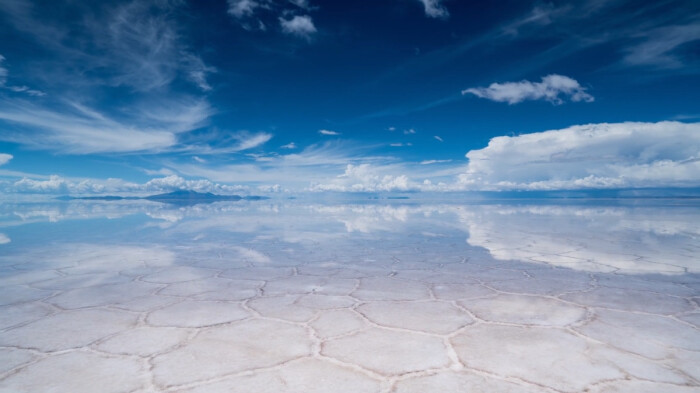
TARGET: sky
(278,96)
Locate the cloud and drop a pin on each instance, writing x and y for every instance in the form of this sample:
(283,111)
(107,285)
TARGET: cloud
(550,89)
(429,162)
(197,71)
(364,178)
(4,239)
(243,8)
(409,131)
(438,138)
(435,9)
(78,129)
(400,144)
(299,25)
(118,69)
(593,156)
(4,73)
(249,141)
(59,185)
(290,145)
(657,50)
(328,132)
(5,158)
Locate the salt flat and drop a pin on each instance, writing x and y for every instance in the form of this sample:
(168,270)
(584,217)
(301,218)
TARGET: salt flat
(365,297)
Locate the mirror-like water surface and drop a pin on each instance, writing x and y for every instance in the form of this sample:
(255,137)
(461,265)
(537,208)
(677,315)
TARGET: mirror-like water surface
(294,296)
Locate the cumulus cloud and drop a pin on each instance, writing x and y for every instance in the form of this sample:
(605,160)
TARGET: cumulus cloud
(551,88)
(5,158)
(365,178)
(4,239)
(328,132)
(593,156)
(299,25)
(435,9)
(55,184)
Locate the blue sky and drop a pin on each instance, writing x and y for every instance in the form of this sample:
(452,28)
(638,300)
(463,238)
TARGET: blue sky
(308,95)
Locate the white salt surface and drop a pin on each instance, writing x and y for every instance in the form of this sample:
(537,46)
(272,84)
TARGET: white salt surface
(353,298)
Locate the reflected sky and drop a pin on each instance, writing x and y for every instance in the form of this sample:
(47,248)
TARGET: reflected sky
(376,296)
(631,238)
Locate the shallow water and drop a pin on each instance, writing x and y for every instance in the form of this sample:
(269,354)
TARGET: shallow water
(295,296)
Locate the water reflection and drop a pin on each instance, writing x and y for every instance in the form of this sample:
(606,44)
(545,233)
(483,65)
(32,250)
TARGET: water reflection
(605,238)
(402,296)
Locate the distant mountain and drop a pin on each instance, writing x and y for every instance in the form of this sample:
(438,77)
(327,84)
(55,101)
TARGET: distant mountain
(180,197)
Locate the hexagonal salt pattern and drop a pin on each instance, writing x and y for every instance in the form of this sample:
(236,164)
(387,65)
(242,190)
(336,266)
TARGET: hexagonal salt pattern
(233,348)
(389,352)
(77,372)
(414,312)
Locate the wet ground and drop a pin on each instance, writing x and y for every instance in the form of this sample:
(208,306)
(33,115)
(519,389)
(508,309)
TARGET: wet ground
(402,297)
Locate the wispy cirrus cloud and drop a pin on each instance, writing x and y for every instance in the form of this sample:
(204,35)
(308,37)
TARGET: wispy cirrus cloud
(659,46)
(133,50)
(77,129)
(4,73)
(551,88)
(328,132)
(216,142)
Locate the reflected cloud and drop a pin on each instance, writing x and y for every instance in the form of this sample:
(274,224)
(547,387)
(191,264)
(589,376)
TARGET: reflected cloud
(628,239)
(632,240)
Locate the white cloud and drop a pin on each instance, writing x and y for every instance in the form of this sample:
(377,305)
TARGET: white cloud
(290,145)
(594,156)
(197,71)
(243,8)
(59,185)
(657,50)
(550,89)
(4,239)
(409,131)
(328,132)
(4,73)
(5,158)
(429,162)
(438,138)
(400,144)
(249,141)
(364,178)
(299,25)
(435,9)
(78,129)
